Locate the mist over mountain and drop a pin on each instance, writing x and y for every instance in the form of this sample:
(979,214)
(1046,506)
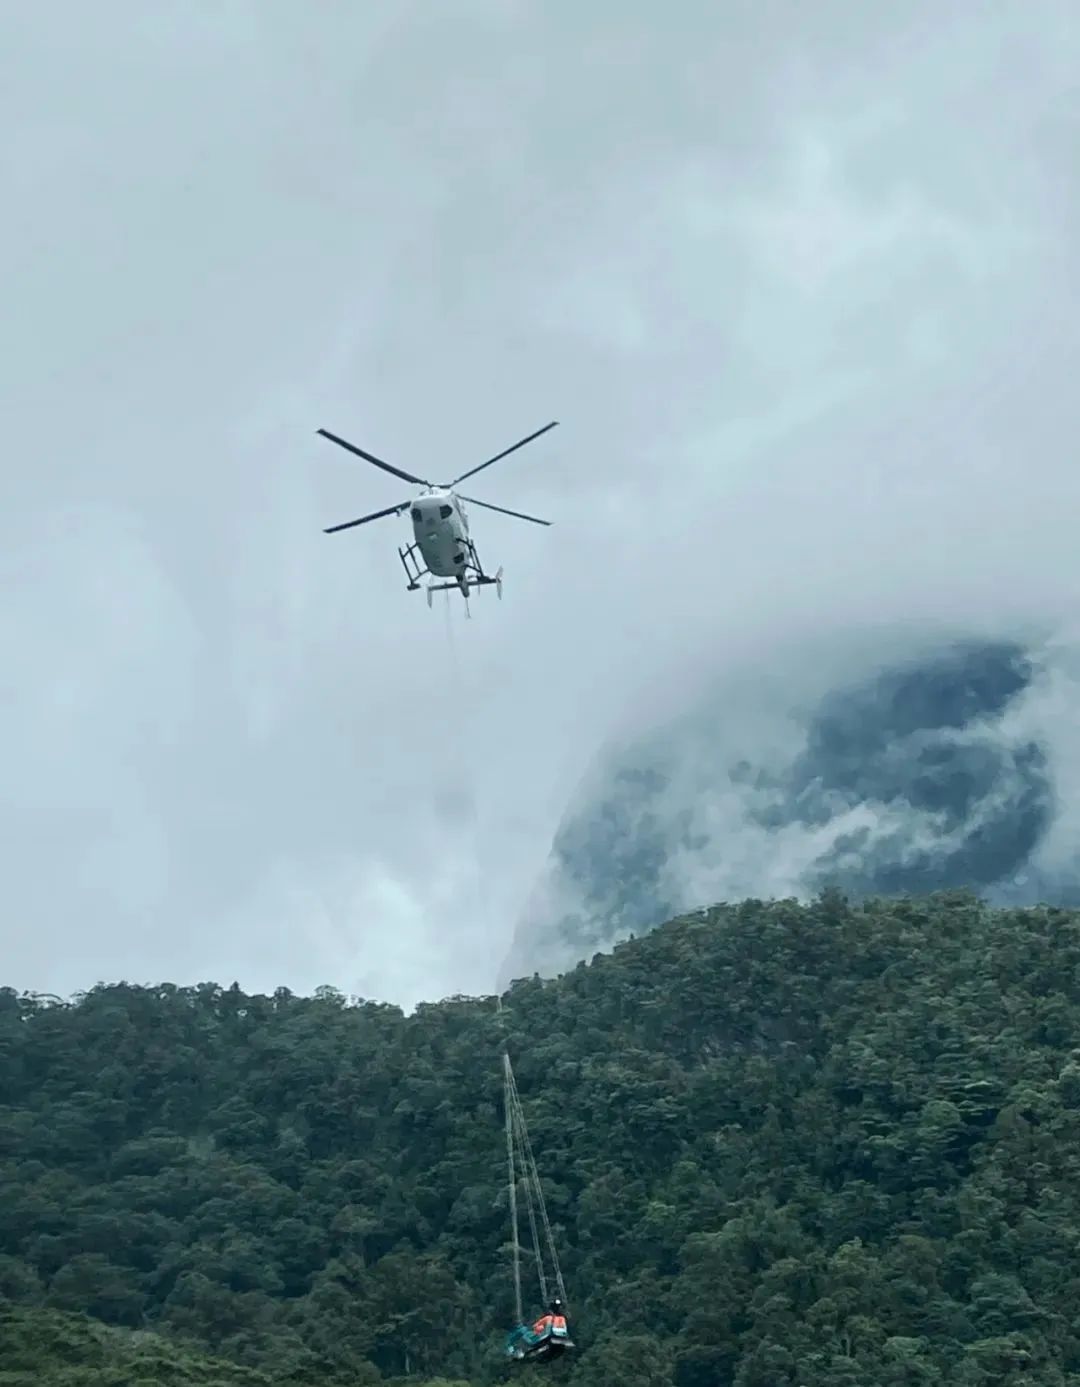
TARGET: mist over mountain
(949,764)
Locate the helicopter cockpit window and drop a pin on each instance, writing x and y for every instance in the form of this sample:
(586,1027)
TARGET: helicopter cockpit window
(444,512)
(417,514)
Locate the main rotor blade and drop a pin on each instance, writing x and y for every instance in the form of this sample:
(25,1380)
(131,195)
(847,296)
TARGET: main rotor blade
(504,453)
(375,515)
(518,515)
(370,457)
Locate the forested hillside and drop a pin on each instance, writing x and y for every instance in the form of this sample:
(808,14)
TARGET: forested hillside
(812,1146)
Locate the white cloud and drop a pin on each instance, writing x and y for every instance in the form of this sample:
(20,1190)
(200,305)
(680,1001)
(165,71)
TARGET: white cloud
(799,290)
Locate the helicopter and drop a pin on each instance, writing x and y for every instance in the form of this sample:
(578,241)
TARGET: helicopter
(440,525)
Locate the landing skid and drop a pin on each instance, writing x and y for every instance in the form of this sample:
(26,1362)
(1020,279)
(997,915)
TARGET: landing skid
(411,565)
(480,580)
(473,576)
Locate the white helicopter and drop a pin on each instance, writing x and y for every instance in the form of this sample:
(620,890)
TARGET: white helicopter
(440,525)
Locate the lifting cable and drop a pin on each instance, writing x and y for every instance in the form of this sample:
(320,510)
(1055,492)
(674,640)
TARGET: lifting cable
(520,1160)
(481,913)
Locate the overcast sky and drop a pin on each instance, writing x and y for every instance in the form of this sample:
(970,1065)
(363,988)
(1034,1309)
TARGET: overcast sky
(799,282)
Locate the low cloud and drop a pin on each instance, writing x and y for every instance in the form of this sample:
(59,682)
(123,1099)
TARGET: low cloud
(950,764)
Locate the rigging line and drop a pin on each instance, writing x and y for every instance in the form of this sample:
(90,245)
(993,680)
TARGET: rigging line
(519,1116)
(512,1177)
(535,1195)
(540,1196)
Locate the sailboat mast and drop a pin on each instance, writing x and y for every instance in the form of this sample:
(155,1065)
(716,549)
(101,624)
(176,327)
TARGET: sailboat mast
(511,1173)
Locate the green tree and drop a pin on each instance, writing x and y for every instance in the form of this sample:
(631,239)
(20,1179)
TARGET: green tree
(811,1144)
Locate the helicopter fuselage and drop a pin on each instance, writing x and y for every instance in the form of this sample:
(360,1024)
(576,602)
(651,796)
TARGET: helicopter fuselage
(441,532)
(440,525)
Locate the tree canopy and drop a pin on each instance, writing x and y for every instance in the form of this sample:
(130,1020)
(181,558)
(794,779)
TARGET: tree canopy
(780,1144)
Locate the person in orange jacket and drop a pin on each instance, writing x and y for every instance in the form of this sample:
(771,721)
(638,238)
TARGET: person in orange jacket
(551,1331)
(545,1337)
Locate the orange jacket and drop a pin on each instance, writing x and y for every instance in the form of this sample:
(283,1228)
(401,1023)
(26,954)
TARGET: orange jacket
(548,1323)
